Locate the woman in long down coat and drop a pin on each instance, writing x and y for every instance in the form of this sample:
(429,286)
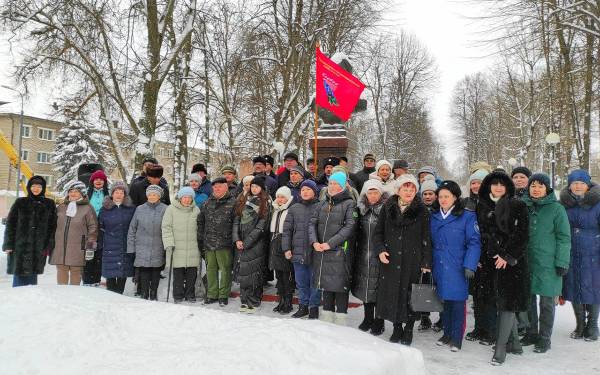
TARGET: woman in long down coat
(366,261)
(504,225)
(113,221)
(582,283)
(29,233)
(456,250)
(403,239)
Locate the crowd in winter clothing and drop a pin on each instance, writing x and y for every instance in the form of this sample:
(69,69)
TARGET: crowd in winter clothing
(511,243)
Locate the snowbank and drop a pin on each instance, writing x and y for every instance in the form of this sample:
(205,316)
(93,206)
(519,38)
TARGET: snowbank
(70,330)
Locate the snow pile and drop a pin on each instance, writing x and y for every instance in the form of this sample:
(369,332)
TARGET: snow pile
(74,330)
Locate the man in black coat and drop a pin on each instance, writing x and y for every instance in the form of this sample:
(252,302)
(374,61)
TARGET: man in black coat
(290,160)
(360,177)
(153,176)
(29,233)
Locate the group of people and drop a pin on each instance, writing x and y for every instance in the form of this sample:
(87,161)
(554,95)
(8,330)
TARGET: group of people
(510,243)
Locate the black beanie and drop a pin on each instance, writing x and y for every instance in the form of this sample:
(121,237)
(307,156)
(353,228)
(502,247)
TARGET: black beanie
(523,170)
(199,168)
(451,186)
(259,181)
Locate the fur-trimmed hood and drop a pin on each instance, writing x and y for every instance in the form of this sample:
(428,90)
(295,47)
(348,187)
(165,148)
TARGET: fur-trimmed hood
(415,208)
(589,200)
(108,203)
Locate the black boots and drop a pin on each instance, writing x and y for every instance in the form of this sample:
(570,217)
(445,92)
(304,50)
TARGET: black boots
(377,327)
(313,313)
(302,312)
(579,311)
(278,307)
(507,334)
(286,306)
(407,334)
(425,323)
(590,333)
(369,317)
(474,335)
(397,333)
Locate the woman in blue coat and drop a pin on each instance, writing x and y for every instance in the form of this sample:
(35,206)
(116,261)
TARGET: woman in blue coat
(582,284)
(456,250)
(115,216)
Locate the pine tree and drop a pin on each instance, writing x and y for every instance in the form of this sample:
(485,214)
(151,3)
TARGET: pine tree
(77,143)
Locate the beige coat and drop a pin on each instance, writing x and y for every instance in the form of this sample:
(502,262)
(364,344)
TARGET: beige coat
(72,234)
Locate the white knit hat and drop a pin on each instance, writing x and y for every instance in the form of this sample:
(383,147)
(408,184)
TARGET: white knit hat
(284,191)
(372,184)
(428,184)
(75,185)
(381,163)
(407,178)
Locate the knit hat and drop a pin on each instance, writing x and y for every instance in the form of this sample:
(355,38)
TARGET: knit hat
(269,159)
(155,171)
(309,184)
(199,167)
(478,175)
(340,178)
(480,165)
(259,159)
(228,169)
(219,180)
(259,181)
(298,169)
(543,179)
(427,169)
(371,184)
(186,191)
(99,174)
(284,191)
(381,163)
(194,177)
(76,185)
(290,155)
(428,184)
(150,159)
(332,160)
(400,164)
(369,156)
(523,170)
(451,186)
(154,189)
(118,185)
(580,175)
(340,168)
(407,179)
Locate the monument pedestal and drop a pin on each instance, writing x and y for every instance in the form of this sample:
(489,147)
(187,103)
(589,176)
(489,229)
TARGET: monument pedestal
(331,141)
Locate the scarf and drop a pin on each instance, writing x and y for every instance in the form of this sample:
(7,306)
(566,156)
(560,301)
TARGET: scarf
(72,209)
(495,200)
(446,214)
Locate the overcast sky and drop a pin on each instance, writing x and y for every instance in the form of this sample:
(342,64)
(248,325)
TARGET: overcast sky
(442,25)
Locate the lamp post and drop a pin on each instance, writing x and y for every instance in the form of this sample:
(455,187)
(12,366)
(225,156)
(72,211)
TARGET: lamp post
(20,139)
(553,139)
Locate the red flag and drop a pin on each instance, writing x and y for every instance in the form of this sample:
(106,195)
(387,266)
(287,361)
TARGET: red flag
(337,90)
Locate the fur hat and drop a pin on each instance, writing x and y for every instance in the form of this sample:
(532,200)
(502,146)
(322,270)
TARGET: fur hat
(199,167)
(522,170)
(155,171)
(259,159)
(76,185)
(269,159)
(154,189)
(118,185)
(451,186)
(332,160)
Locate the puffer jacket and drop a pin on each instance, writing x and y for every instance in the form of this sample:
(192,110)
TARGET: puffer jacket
(366,260)
(144,238)
(112,240)
(333,222)
(215,223)
(582,283)
(295,231)
(277,260)
(252,230)
(180,230)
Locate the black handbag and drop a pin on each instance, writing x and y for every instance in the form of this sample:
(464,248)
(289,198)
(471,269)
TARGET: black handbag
(424,297)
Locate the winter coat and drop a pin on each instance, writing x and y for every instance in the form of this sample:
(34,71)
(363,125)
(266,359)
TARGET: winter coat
(180,229)
(366,259)
(74,234)
(295,231)
(215,223)
(284,177)
(406,237)
(333,222)
(295,189)
(354,194)
(113,222)
(252,230)
(390,186)
(97,198)
(144,238)
(582,283)
(504,230)
(549,244)
(277,259)
(29,233)
(138,191)
(359,178)
(203,192)
(456,246)
(470,203)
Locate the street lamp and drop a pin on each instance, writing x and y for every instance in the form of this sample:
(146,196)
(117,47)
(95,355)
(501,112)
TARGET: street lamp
(20,139)
(553,139)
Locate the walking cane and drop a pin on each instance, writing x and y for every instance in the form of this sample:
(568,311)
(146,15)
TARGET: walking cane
(170,272)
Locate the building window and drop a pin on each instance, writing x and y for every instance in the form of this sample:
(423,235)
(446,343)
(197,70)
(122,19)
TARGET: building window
(26,131)
(49,179)
(169,153)
(46,134)
(24,155)
(44,158)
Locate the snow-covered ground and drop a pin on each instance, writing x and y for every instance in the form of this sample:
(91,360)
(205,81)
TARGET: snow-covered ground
(70,330)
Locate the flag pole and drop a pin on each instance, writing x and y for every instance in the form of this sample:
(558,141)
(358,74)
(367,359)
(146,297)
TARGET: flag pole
(316,148)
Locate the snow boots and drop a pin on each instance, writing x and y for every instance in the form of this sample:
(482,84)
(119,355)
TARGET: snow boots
(302,312)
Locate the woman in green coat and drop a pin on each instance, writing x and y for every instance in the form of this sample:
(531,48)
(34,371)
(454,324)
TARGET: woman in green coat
(549,253)
(179,235)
